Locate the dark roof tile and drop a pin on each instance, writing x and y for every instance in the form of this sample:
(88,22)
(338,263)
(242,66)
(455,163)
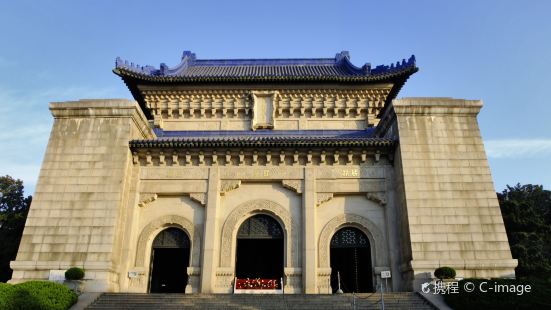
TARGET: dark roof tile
(261,142)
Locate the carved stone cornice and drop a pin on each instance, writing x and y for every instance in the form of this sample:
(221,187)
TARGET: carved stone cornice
(294,185)
(288,103)
(163,155)
(146,198)
(229,185)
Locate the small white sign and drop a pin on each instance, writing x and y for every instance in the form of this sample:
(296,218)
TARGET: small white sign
(57,276)
(385,274)
(135,274)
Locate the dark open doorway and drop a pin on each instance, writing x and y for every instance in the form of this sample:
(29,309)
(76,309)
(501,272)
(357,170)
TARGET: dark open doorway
(259,249)
(169,261)
(351,258)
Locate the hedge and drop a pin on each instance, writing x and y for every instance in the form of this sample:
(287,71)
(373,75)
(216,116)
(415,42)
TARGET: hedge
(39,295)
(6,296)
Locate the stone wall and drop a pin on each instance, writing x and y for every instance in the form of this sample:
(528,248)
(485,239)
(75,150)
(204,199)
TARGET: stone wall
(337,196)
(80,195)
(451,215)
(429,203)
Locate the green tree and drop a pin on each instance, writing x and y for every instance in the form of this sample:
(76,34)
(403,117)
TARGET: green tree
(14,207)
(526,211)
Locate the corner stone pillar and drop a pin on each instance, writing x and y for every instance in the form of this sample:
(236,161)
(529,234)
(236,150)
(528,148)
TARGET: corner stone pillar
(445,194)
(75,216)
(211,234)
(309,258)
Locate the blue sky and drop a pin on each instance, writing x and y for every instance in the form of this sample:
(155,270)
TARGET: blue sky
(497,51)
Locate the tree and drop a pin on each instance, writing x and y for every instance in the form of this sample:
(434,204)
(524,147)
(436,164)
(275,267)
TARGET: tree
(526,211)
(13,213)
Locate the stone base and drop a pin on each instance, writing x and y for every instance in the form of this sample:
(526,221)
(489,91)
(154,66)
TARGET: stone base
(423,271)
(97,277)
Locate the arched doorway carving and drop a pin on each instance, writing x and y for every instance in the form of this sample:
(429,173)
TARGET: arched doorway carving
(350,256)
(260,248)
(170,254)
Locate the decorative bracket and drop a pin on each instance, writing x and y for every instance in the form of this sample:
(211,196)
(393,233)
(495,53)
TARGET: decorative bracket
(146,198)
(377,197)
(199,197)
(323,197)
(294,185)
(229,185)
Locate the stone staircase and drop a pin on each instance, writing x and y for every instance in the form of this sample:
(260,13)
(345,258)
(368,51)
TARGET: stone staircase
(393,301)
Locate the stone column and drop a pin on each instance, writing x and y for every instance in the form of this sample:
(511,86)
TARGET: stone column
(391,218)
(211,239)
(309,238)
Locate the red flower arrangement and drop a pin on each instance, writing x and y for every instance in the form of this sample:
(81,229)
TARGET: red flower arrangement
(256,284)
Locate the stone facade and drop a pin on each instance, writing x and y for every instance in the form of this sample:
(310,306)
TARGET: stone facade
(419,187)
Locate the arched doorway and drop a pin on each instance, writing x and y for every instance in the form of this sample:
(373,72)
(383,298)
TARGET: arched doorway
(169,261)
(259,251)
(351,257)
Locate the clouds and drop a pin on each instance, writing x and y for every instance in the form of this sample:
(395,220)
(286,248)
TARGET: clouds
(518,148)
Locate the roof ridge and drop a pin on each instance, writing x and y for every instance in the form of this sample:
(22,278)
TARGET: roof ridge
(339,66)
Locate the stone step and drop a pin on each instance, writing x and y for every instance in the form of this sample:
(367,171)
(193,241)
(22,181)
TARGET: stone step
(393,301)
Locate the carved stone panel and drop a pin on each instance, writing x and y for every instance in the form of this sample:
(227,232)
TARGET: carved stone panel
(351,186)
(263,109)
(174,173)
(358,172)
(261,173)
(173,187)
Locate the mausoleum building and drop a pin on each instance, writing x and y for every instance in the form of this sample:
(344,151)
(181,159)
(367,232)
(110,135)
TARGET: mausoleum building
(290,171)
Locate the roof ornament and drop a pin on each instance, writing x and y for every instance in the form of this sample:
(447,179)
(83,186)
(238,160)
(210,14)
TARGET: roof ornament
(163,68)
(341,56)
(119,63)
(395,67)
(344,56)
(189,55)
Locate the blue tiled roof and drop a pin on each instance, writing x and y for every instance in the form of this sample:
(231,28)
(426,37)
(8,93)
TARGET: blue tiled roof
(259,139)
(193,69)
(262,71)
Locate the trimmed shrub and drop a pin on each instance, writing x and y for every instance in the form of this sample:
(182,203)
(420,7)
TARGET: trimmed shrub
(39,295)
(74,273)
(6,296)
(444,273)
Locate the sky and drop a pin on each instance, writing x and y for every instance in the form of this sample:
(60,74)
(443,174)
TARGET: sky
(496,51)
